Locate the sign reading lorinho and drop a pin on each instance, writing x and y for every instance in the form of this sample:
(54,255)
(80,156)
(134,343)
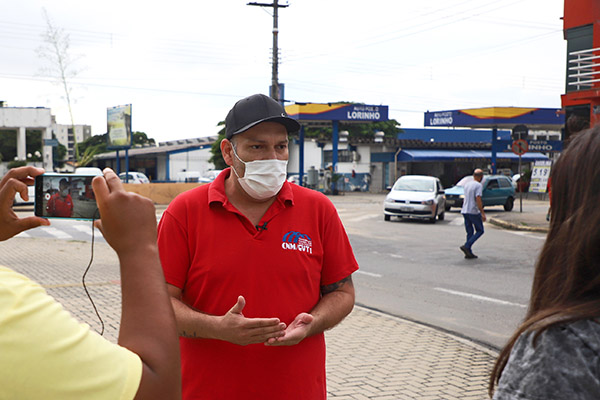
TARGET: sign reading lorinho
(337,112)
(363,112)
(444,118)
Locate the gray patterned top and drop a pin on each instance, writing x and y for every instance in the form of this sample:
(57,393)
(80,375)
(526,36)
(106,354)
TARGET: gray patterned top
(565,364)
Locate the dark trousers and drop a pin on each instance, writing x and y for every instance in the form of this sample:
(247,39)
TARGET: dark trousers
(473,221)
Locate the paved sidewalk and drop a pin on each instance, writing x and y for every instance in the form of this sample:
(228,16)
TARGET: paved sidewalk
(370,355)
(532,217)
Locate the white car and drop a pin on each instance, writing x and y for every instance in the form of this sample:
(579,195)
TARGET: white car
(89,171)
(415,196)
(209,175)
(134,177)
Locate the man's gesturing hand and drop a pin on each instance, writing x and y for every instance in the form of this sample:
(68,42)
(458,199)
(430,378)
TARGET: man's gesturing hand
(294,333)
(237,329)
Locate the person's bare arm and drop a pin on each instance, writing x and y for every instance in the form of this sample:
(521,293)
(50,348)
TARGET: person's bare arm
(128,223)
(232,327)
(480,206)
(336,303)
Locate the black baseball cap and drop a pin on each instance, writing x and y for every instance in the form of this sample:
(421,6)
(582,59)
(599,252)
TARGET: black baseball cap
(255,109)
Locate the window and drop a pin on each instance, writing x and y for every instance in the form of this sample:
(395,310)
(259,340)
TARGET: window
(343,156)
(505,183)
(579,38)
(493,184)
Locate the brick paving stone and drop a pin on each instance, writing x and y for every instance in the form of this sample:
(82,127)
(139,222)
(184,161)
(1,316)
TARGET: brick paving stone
(370,355)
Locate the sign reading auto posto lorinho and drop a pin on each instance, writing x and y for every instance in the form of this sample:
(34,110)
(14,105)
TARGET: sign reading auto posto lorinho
(338,112)
(364,113)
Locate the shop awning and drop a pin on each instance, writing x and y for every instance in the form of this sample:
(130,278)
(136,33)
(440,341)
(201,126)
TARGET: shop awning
(463,155)
(419,155)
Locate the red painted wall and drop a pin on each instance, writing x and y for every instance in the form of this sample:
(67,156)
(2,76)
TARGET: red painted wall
(583,12)
(579,13)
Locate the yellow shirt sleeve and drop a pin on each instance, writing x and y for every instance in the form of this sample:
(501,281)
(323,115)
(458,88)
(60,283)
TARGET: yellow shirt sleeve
(46,354)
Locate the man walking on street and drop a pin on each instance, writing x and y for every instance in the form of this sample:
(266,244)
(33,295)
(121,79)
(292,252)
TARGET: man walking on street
(472,211)
(257,267)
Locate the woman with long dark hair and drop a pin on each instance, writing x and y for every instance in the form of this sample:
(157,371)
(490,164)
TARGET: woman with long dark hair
(555,353)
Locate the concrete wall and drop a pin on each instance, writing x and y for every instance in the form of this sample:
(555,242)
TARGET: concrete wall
(312,156)
(161,168)
(160,193)
(194,160)
(362,165)
(14,117)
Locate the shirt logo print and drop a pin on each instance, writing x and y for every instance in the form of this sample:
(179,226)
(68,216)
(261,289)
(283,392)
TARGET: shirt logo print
(297,241)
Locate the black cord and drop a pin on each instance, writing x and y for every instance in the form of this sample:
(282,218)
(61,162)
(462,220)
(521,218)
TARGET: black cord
(83,281)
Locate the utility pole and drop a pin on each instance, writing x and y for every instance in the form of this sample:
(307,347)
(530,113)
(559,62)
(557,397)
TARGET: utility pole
(275,92)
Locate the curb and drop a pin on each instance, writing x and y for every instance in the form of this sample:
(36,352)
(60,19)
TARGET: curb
(515,227)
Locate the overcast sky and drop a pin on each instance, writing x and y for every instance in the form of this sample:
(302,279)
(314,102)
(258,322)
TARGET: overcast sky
(183,64)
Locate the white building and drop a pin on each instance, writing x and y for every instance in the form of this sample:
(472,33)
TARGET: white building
(22,119)
(172,161)
(64,135)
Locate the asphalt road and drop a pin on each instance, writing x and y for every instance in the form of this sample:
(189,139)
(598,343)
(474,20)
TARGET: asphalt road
(415,270)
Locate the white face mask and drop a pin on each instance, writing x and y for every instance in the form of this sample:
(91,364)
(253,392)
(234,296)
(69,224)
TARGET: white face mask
(263,178)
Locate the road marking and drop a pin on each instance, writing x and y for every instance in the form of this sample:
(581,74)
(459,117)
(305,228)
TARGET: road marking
(56,232)
(85,229)
(389,254)
(482,298)
(369,273)
(528,234)
(457,221)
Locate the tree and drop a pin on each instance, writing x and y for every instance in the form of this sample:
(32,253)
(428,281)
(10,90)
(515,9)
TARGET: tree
(141,139)
(217,157)
(8,145)
(16,164)
(390,128)
(60,66)
(58,154)
(98,144)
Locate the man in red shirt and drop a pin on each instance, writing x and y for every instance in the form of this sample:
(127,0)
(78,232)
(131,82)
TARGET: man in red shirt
(257,268)
(61,203)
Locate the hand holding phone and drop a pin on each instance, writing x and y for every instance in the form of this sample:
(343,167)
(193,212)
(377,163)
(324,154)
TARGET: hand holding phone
(128,220)
(16,180)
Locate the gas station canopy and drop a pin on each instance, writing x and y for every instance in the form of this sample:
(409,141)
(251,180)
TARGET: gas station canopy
(315,114)
(331,114)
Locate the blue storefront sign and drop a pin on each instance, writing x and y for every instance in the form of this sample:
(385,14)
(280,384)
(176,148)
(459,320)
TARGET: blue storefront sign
(496,117)
(541,146)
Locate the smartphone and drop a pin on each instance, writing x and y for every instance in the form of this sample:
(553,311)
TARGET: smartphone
(65,196)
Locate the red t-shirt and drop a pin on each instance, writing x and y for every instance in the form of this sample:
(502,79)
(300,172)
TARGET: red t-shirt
(214,254)
(60,207)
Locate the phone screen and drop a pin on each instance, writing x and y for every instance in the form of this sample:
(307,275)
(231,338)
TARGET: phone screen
(65,196)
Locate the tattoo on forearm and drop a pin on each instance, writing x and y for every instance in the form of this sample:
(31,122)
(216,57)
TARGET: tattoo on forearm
(335,286)
(186,334)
